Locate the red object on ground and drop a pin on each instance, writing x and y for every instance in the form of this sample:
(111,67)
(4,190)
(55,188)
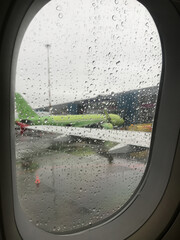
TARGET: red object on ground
(22,126)
(37,180)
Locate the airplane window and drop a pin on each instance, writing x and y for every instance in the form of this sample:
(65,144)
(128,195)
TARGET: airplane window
(86,89)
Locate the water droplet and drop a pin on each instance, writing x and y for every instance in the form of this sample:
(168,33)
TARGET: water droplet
(113,17)
(60,15)
(58,8)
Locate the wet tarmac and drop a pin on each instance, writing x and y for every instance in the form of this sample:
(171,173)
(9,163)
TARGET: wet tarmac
(79,186)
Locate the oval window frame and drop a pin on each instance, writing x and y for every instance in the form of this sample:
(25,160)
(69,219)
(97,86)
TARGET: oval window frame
(160,144)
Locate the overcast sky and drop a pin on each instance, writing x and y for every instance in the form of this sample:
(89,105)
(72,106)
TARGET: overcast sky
(97,47)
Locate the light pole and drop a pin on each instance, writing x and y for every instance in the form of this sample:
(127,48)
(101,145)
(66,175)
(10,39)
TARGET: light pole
(49,81)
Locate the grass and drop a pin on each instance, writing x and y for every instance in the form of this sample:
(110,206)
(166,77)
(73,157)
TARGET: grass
(109,144)
(77,150)
(142,155)
(30,166)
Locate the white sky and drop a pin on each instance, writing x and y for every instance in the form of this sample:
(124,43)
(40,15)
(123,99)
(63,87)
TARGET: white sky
(97,47)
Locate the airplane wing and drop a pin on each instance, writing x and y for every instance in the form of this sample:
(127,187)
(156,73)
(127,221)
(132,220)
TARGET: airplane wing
(123,137)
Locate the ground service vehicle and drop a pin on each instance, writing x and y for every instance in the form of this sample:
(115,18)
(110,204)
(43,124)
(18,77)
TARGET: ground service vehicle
(153,210)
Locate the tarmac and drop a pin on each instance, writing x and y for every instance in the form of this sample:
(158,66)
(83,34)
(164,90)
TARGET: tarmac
(67,186)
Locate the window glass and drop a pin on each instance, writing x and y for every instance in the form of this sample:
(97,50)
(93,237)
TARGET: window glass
(86,90)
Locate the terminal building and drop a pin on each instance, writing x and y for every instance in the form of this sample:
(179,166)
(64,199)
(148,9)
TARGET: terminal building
(135,106)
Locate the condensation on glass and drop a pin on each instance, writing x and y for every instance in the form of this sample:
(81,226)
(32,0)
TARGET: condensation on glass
(86,90)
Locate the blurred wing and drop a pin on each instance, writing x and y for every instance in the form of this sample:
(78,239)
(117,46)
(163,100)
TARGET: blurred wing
(123,137)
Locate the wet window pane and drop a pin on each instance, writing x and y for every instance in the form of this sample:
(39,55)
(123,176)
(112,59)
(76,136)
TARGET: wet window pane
(86,90)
